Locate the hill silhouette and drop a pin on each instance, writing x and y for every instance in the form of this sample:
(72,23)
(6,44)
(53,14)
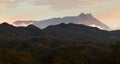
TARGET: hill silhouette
(58,44)
(62,31)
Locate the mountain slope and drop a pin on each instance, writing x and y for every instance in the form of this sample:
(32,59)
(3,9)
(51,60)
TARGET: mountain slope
(9,31)
(62,45)
(86,19)
(79,32)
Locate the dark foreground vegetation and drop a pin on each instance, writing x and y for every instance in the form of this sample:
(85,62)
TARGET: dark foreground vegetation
(31,45)
(56,51)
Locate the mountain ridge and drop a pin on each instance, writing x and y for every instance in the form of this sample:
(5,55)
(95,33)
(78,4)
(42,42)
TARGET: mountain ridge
(86,19)
(58,44)
(61,31)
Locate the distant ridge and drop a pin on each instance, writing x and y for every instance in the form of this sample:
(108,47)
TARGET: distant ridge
(86,19)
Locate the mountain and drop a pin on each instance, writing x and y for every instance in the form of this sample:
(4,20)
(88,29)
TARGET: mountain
(86,19)
(58,44)
(80,32)
(69,31)
(12,32)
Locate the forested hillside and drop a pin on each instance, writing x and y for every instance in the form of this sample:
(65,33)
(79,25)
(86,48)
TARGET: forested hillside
(59,44)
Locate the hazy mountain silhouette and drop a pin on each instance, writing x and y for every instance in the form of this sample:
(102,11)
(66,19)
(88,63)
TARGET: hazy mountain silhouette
(86,19)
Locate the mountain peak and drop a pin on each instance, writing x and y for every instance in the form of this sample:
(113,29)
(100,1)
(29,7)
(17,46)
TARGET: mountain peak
(31,26)
(89,14)
(5,24)
(82,14)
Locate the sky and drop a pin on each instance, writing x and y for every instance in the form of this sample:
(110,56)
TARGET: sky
(107,11)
